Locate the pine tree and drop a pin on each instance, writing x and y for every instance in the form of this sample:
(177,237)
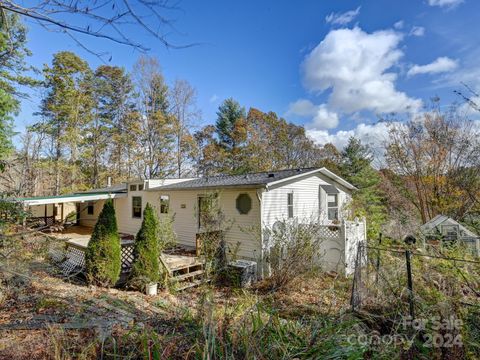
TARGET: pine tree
(13,68)
(103,260)
(228,126)
(66,109)
(368,200)
(145,267)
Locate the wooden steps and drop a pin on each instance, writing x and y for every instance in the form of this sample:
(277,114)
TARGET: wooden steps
(188,285)
(185,271)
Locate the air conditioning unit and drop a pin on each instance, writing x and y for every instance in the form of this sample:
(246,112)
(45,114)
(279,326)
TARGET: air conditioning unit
(244,272)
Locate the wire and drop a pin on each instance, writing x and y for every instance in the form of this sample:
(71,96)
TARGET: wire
(425,255)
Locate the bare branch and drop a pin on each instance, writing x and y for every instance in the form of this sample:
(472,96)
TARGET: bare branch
(106,19)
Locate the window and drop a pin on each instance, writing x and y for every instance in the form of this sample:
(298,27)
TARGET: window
(332,204)
(90,208)
(450,232)
(164,204)
(244,203)
(207,210)
(133,187)
(290,205)
(140,187)
(137,207)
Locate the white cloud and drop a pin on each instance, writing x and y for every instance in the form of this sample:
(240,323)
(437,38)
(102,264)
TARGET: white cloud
(301,107)
(213,98)
(440,65)
(399,25)
(342,18)
(444,3)
(322,117)
(374,135)
(417,31)
(354,65)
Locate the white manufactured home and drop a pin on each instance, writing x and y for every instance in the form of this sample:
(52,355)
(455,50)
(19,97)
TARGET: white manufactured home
(250,204)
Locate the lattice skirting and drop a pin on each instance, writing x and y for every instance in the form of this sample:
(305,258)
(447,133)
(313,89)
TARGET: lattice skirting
(75,260)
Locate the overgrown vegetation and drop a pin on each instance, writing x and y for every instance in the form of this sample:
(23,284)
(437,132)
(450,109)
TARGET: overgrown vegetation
(294,251)
(103,261)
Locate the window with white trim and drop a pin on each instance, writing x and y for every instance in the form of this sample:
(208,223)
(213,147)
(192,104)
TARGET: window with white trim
(332,206)
(290,205)
(164,204)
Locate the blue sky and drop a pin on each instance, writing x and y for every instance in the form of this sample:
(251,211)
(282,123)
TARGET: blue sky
(333,66)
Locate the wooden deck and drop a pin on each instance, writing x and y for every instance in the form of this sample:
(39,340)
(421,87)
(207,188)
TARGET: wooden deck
(183,267)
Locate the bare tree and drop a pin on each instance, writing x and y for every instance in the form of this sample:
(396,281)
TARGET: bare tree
(437,156)
(24,174)
(155,149)
(112,20)
(183,106)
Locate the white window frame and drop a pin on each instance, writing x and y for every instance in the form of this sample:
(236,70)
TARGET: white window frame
(167,199)
(333,207)
(290,205)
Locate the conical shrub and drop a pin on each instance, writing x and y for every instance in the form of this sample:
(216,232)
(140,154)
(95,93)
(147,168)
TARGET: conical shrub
(103,259)
(145,267)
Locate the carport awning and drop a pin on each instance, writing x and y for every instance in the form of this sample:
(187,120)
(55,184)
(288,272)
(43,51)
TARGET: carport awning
(44,200)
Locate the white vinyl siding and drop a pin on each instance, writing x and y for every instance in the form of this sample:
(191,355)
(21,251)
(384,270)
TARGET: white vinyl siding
(309,200)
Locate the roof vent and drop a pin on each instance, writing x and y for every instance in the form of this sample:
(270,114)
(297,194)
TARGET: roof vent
(271,175)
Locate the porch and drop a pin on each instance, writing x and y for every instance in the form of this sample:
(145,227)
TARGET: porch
(181,263)
(78,208)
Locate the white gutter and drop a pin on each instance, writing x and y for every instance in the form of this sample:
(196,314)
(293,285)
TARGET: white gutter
(73,198)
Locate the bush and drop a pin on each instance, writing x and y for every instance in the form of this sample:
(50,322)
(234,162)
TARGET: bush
(103,260)
(293,250)
(166,235)
(145,267)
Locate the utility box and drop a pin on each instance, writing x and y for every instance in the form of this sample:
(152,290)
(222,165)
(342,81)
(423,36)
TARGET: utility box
(243,272)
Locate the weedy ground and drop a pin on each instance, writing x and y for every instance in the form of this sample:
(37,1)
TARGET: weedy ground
(45,316)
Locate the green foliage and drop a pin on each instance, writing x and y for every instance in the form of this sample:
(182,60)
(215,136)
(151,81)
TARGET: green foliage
(145,267)
(230,120)
(166,234)
(8,106)
(103,255)
(65,110)
(368,200)
(13,51)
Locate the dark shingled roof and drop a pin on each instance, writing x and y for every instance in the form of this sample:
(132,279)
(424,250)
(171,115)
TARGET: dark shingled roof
(109,189)
(247,180)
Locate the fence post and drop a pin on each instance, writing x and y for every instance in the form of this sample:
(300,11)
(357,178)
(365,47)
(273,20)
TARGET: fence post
(377,265)
(356,300)
(410,283)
